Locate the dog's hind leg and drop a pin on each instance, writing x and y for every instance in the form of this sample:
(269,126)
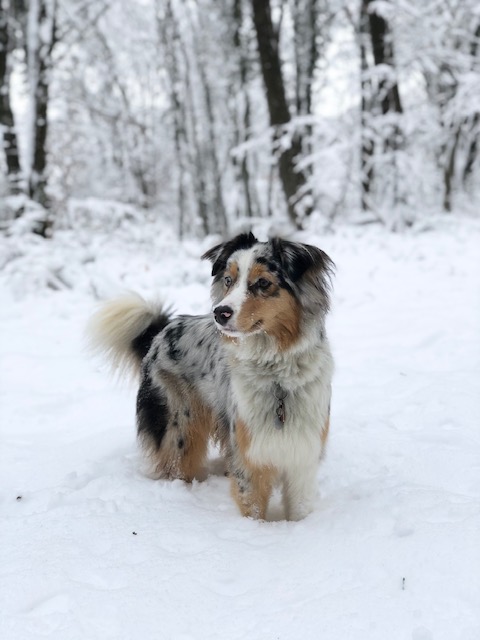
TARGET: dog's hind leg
(173,428)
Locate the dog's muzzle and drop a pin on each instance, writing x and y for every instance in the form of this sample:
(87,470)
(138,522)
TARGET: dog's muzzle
(222,314)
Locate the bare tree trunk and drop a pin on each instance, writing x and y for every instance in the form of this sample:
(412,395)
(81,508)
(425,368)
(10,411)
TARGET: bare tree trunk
(243,122)
(41,39)
(196,145)
(375,26)
(219,224)
(305,14)
(293,181)
(7,123)
(195,151)
(472,150)
(169,37)
(367,142)
(449,171)
(306,36)
(383,55)
(208,141)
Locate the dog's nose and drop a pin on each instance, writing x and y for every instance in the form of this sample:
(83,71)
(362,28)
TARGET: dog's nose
(223,314)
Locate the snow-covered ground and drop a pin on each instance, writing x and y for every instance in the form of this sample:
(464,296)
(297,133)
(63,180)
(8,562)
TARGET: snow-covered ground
(91,549)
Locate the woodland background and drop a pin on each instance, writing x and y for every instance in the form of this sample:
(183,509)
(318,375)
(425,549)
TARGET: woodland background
(205,113)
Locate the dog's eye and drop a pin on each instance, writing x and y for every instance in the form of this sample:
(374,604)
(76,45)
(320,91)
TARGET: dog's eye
(263,283)
(227,281)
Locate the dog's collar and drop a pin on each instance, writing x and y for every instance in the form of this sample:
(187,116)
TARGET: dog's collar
(280,394)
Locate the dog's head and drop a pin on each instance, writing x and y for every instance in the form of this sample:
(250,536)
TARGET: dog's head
(269,287)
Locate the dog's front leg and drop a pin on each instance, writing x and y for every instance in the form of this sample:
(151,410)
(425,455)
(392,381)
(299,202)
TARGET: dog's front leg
(251,490)
(299,491)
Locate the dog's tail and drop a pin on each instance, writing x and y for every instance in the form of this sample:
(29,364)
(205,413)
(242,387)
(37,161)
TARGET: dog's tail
(123,329)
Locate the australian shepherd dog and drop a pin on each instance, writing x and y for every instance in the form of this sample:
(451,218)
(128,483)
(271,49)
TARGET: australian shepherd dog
(254,376)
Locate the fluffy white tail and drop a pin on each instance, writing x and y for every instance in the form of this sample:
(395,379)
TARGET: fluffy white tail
(123,330)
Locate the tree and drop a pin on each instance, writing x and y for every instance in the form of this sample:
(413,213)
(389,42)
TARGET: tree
(193,113)
(293,180)
(7,123)
(41,39)
(451,91)
(380,96)
(243,109)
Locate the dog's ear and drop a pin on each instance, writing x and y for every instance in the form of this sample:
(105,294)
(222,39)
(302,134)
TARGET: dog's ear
(220,254)
(296,259)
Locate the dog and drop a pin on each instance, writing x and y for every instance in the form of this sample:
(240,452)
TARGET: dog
(255,375)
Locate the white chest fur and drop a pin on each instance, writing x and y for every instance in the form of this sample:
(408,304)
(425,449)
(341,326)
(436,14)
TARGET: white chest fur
(305,377)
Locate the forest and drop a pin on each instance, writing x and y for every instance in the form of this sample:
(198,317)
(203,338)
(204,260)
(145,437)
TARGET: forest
(205,114)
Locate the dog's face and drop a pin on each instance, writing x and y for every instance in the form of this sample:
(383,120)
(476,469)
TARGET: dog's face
(267,286)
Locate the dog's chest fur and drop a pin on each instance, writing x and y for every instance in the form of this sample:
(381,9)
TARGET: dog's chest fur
(302,379)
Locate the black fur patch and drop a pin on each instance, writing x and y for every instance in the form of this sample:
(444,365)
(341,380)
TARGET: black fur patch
(173,335)
(275,268)
(295,258)
(220,254)
(141,344)
(152,411)
(242,481)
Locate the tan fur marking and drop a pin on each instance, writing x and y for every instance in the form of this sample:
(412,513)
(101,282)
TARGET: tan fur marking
(199,430)
(276,312)
(244,439)
(196,424)
(254,502)
(232,271)
(258,271)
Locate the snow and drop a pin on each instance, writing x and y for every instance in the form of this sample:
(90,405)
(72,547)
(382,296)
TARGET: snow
(92,549)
